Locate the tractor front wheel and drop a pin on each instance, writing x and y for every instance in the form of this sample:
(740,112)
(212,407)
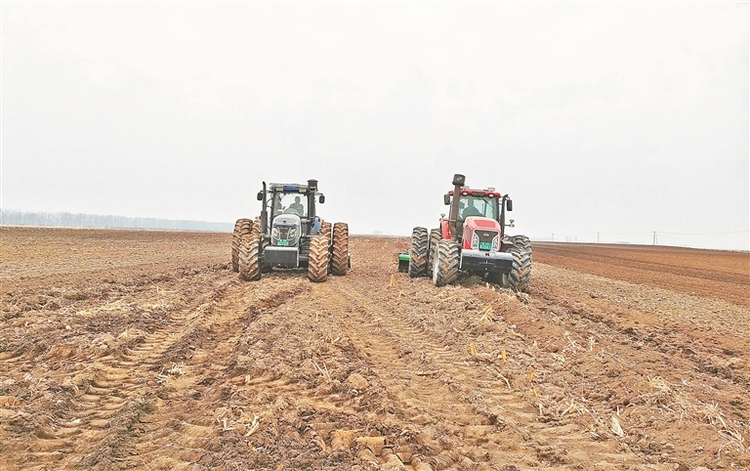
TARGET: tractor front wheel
(520,276)
(317,267)
(325,230)
(445,268)
(435,236)
(242,227)
(418,252)
(249,258)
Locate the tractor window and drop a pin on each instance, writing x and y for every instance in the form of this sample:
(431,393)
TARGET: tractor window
(482,206)
(290,203)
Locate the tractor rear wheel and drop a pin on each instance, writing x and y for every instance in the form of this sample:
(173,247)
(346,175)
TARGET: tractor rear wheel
(240,229)
(435,236)
(519,277)
(340,256)
(418,252)
(445,268)
(317,266)
(249,258)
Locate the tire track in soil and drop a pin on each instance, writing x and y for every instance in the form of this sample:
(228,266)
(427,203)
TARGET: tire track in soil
(415,372)
(484,421)
(284,412)
(190,420)
(100,402)
(101,396)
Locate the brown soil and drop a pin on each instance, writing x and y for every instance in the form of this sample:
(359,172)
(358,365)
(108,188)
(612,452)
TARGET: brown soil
(143,350)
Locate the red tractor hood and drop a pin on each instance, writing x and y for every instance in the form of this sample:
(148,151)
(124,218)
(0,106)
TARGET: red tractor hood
(486,229)
(475,222)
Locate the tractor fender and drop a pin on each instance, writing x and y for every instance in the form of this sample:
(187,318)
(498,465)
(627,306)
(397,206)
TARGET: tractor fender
(315,226)
(445,229)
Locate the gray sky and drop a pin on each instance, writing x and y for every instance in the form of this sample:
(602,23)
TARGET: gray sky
(623,118)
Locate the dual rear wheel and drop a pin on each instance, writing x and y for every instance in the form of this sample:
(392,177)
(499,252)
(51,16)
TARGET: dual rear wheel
(329,251)
(243,227)
(519,246)
(445,265)
(317,267)
(249,257)
(432,256)
(432,244)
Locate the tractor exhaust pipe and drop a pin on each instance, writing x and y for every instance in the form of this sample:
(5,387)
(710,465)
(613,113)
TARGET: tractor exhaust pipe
(263,210)
(312,187)
(458,181)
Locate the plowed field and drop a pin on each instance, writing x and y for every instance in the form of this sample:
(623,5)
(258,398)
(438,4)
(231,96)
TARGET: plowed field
(143,350)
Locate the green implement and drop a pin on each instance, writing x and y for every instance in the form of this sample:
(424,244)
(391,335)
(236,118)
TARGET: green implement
(403,261)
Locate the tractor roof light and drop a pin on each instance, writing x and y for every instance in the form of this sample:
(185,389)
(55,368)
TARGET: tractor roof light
(473,192)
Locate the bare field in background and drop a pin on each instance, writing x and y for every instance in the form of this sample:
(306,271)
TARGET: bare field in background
(143,350)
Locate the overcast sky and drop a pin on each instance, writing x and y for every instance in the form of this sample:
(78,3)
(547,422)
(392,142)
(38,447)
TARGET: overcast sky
(621,118)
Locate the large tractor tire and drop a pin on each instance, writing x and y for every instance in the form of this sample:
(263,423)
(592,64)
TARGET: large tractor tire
(236,245)
(520,276)
(435,236)
(317,267)
(418,252)
(445,268)
(249,258)
(241,228)
(340,256)
(325,230)
(256,226)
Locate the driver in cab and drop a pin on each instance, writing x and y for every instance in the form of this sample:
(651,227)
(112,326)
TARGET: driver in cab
(297,207)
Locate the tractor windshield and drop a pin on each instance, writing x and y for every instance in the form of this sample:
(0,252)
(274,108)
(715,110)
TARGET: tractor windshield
(289,203)
(482,206)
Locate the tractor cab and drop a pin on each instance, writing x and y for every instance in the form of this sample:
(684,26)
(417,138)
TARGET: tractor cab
(473,204)
(288,212)
(477,205)
(294,199)
(476,214)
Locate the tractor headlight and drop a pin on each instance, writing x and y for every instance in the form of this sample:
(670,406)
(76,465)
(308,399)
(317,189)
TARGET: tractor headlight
(495,243)
(475,241)
(293,234)
(274,234)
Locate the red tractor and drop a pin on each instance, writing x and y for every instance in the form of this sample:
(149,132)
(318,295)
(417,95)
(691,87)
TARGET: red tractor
(472,239)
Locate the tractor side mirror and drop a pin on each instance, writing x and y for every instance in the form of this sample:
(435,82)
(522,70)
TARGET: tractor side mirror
(446,199)
(322,199)
(509,205)
(260,196)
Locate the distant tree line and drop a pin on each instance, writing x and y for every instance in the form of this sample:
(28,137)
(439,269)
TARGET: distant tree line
(24,218)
